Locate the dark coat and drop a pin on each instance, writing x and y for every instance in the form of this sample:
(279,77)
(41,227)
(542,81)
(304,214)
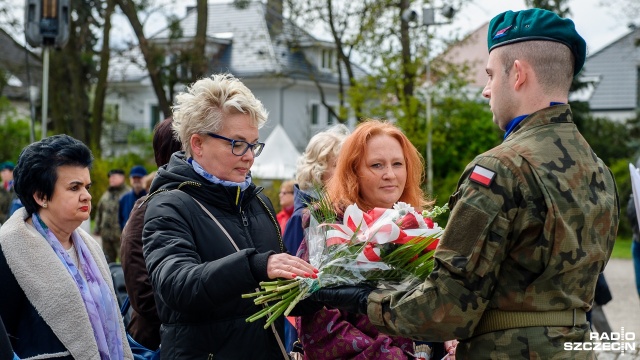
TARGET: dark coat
(294,232)
(196,272)
(144,325)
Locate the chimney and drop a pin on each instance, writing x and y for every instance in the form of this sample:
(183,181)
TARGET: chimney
(273,16)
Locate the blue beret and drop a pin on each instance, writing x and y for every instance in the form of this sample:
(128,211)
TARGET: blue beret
(536,24)
(137,171)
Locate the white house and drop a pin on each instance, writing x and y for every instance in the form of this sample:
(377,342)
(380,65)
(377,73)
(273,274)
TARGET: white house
(274,58)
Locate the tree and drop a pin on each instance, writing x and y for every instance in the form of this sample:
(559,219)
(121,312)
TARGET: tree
(101,84)
(165,76)
(72,72)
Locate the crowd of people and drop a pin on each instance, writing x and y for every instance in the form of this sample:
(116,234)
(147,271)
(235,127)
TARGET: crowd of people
(515,271)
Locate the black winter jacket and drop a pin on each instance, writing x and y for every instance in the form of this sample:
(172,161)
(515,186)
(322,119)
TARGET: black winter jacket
(198,276)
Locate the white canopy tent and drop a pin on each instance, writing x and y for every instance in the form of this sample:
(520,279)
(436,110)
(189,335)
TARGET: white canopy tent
(278,159)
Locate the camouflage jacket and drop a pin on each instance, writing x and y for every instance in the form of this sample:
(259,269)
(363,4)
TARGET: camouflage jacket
(530,234)
(106,220)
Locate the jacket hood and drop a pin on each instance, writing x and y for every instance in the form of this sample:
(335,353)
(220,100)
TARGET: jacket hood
(178,174)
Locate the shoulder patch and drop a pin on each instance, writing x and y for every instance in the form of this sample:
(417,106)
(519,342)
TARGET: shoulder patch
(482,176)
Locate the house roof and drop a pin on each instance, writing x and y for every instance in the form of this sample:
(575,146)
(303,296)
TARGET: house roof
(248,48)
(13,62)
(616,68)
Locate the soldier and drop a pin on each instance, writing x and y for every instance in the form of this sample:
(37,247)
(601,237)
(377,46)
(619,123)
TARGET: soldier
(106,219)
(533,220)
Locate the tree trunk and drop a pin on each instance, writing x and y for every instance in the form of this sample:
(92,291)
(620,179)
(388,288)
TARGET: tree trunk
(152,55)
(199,59)
(101,85)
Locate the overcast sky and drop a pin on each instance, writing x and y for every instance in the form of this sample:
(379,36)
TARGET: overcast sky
(598,24)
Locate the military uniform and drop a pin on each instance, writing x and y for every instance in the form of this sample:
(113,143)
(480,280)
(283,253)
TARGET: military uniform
(533,223)
(106,220)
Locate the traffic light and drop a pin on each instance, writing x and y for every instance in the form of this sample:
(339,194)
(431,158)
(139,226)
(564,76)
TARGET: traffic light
(47,22)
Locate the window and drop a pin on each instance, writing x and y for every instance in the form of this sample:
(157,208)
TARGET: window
(315,109)
(328,62)
(155,116)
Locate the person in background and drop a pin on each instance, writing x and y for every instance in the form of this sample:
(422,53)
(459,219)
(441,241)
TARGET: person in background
(199,267)
(286,204)
(376,168)
(315,167)
(58,300)
(106,218)
(533,220)
(6,191)
(144,326)
(137,191)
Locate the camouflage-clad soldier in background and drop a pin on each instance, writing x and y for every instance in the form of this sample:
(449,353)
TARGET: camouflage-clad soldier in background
(106,220)
(533,220)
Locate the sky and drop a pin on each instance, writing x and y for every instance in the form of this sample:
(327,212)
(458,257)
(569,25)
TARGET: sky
(598,24)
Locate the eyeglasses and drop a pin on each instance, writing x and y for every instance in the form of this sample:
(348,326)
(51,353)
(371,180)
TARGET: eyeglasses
(286,192)
(240,147)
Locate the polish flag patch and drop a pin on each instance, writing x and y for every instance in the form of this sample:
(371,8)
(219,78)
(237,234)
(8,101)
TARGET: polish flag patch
(482,176)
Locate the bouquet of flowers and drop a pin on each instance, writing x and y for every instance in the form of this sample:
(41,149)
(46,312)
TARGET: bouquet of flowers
(389,245)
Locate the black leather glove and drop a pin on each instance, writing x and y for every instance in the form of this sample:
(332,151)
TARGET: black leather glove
(350,298)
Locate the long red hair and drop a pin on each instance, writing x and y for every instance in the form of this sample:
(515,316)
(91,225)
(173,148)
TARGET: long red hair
(344,189)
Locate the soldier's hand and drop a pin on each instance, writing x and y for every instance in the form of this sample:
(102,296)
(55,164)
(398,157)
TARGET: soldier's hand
(349,298)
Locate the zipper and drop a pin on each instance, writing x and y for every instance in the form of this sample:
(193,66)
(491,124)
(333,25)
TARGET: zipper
(245,221)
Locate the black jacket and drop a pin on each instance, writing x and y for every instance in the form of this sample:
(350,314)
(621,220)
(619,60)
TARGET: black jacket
(198,276)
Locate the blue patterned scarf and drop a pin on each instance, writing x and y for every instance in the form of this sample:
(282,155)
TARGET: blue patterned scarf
(202,172)
(98,300)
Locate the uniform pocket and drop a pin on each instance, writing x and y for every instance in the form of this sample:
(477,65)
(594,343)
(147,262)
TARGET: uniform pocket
(471,239)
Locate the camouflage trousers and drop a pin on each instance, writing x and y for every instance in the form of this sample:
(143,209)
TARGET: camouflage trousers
(526,343)
(111,248)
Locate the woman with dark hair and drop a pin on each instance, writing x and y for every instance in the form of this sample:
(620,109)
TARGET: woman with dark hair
(144,326)
(58,300)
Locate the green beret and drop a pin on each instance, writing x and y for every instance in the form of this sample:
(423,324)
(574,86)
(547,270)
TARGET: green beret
(536,24)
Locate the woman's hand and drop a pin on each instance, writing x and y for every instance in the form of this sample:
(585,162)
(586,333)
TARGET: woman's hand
(288,267)
(450,349)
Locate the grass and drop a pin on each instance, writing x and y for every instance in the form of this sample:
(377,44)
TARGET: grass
(622,248)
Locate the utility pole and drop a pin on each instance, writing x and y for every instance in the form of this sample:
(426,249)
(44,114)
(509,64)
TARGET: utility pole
(46,25)
(428,18)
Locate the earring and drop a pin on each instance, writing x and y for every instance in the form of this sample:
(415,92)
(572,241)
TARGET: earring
(44,205)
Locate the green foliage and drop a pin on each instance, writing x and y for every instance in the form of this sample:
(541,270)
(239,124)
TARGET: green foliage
(15,135)
(101,167)
(610,140)
(620,170)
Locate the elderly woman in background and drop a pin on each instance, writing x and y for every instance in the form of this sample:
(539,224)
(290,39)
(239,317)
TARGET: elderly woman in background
(58,300)
(377,167)
(315,168)
(144,326)
(216,236)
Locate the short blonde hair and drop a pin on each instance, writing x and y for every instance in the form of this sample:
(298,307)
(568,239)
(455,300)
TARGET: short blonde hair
(202,107)
(315,159)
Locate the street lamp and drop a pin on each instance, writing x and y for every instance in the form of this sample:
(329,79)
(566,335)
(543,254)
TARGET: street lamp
(429,18)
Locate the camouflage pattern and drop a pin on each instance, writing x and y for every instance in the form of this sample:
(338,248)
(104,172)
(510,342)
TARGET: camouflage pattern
(534,239)
(106,220)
